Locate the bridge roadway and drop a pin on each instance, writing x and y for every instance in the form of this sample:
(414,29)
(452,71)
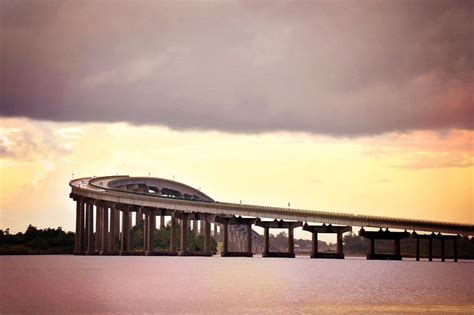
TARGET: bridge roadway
(99,189)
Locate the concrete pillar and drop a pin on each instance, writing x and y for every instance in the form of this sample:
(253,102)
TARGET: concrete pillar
(138,218)
(314,251)
(202,227)
(396,247)
(291,241)
(339,244)
(226,237)
(249,237)
(455,250)
(207,235)
(84,230)
(90,230)
(125,246)
(117,227)
(173,238)
(151,230)
(430,249)
(215,231)
(184,233)
(79,226)
(105,230)
(145,232)
(266,240)
(417,249)
(443,252)
(113,235)
(372,246)
(162,221)
(98,227)
(192,226)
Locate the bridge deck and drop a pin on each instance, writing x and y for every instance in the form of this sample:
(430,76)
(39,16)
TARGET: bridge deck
(97,188)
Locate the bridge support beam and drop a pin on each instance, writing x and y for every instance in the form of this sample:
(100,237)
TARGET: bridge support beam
(184,235)
(279,224)
(430,249)
(174,231)
(186,218)
(113,230)
(125,244)
(78,246)
(98,226)
(249,238)
(145,231)
(104,250)
(90,229)
(151,226)
(162,220)
(117,229)
(455,250)
(417,249)
(339,230)
(442,239)
(385,235)
(207,235)
(138,218)
(149,231)
(443,252)
(226,221)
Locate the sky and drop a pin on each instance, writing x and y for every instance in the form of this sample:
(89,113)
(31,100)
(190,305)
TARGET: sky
(360,107)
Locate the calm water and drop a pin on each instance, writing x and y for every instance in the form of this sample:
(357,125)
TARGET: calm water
(61,284)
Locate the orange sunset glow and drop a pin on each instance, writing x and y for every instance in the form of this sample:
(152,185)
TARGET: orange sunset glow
(325,106)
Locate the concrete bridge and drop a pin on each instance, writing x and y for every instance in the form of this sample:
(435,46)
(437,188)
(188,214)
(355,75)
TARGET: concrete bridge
(117,198)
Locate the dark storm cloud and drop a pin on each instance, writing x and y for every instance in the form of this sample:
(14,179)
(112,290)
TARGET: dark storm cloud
(338,68)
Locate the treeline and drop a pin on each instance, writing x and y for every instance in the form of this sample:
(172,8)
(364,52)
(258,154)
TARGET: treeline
(56,241)
(36,242)
(162,239)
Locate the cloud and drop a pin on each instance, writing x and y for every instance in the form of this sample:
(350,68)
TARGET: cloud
(423,149)
(336,68)
(35,142)
(428,160)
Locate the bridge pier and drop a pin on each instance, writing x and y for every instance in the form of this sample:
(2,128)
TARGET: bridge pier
(145,231)
(162,219)
(339,230)
(89,226)
(184,235)
(385,235)
(139,218)
(173,238)
(125,241)
(278,224)
(151,226)
(442,239)
(207,236)
(104,249)
(113,230)
(186,218)
(226,221)
(430,249)
(78,246)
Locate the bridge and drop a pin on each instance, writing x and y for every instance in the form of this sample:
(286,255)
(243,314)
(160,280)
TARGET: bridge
(117,198)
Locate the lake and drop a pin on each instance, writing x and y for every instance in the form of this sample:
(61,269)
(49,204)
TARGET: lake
(111,284)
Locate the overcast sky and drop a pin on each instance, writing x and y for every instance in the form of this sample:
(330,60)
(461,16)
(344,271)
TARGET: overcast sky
(360,107)
(331,67)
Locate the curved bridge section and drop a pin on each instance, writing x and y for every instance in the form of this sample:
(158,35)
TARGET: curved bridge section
(148,197)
